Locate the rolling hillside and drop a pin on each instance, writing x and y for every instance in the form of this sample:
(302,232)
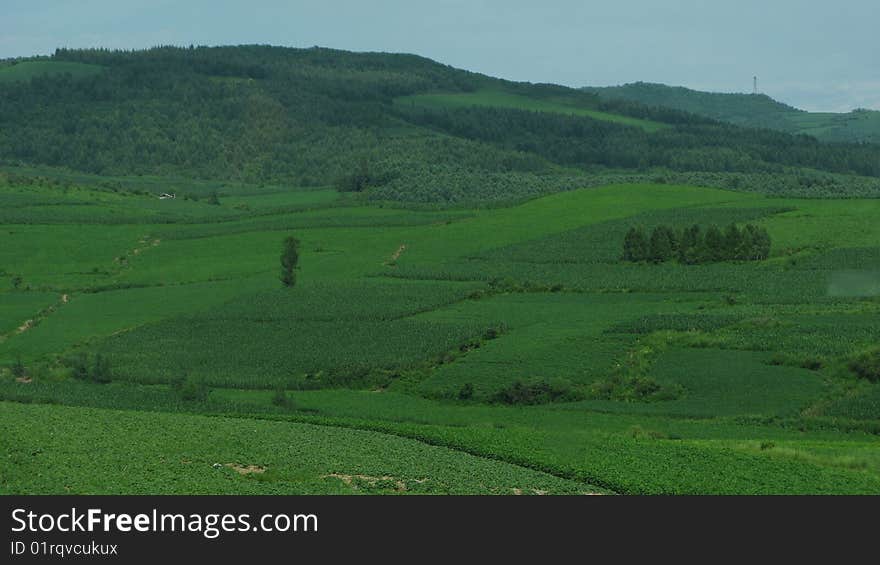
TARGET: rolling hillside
(385,125)
(485,287)
(750,110)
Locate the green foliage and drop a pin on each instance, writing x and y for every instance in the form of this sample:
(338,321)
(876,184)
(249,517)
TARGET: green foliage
(18,369)
(94,368)
(189,389)
(537,391)
(663,244)
(101,372)
(867,365)
(691,247)
(632,389)
(289,260)
(636,246)
(28,70)
(466,392)
(304,116)
(281,399)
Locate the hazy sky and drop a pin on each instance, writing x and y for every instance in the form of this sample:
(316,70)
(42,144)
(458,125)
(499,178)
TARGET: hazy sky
(818,55)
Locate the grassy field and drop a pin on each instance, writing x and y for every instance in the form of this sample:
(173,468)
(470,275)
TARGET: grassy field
(499,350)
(499,99)
(26,70)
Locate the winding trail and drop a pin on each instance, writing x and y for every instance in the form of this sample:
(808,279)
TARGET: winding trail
(38,317)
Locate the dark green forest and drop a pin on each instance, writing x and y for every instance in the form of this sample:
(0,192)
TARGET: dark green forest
(320,116)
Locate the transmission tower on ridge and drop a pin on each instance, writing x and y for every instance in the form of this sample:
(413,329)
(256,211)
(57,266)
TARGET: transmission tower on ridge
(755,91)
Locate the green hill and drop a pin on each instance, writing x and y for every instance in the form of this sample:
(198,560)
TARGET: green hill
(750,110)
(387,125)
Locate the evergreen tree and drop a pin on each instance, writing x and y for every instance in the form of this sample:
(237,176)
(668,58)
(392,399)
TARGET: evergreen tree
(746,244)
(101,370)
(713,245)
(635,245)
(732,241)
(662,245)
(289,259)
(689,248)
(18,369)
(761,244)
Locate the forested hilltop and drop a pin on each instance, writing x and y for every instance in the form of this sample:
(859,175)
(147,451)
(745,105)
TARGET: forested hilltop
(751,110)
(393,126)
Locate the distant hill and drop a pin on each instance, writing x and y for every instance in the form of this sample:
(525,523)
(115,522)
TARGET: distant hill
(751,110)
(389,125)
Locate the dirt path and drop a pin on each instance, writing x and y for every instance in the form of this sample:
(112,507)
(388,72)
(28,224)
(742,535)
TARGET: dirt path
(39,317)
(396,255)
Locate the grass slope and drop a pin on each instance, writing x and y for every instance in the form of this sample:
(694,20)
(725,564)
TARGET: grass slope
(500,99)
(752,111)
(27,70)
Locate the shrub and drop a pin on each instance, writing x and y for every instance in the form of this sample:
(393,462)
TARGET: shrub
(280,399)
(867,365)
(101,370)
(190,390)
(466,392)
(18,370)
(633,388)
(537,392)
(79,365)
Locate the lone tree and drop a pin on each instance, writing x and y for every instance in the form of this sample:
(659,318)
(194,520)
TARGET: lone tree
(289,259)
(18,370)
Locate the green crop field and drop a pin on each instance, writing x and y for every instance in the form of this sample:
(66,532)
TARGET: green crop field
(378,274)
(495,350)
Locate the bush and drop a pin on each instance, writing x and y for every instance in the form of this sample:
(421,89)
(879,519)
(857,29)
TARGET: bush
(101,370)
(867,365)
(97,371)
(18,370)
(79,366)
(537,392)
(466,392)
(633,389)
(280,399)
(190,390)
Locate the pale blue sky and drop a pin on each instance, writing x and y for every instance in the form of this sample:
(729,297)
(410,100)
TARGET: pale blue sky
(818,55)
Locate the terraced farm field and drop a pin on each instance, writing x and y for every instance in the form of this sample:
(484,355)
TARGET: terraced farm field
(504,350)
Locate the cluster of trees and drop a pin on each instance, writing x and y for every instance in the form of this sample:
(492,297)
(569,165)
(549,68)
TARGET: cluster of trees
(694,245)
(96,370)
